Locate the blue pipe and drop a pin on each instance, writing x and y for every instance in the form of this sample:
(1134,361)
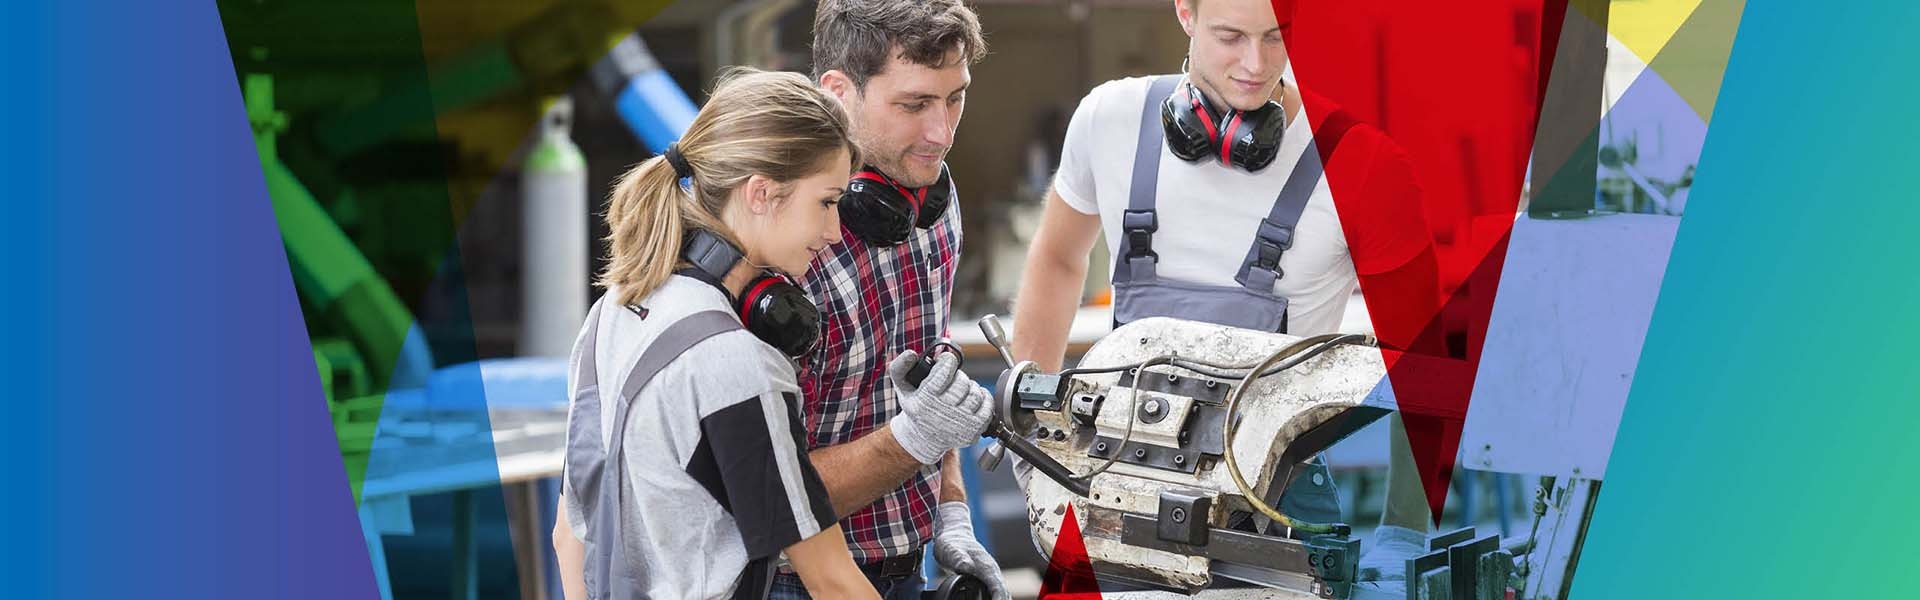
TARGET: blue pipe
(655,109)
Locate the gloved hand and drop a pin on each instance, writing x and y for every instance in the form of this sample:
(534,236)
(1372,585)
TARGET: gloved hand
(956,548)
(946,411)
(1386,558)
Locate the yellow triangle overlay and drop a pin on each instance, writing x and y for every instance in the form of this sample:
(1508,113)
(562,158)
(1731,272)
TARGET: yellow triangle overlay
(1686,42)
(1644,26)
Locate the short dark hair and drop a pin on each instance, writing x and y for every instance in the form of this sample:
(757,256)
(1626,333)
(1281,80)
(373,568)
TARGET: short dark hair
(858,37)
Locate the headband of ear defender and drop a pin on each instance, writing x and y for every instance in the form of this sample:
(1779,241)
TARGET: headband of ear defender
(775,309)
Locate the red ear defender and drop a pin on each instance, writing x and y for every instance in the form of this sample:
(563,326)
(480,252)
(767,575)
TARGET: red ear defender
(754,292)
(1226,139)
(881,212)
(1254,139)
(1205,112)
(875,210)
(780,314)
(1248,140)
(1189,125)
(934,199)
(772,307)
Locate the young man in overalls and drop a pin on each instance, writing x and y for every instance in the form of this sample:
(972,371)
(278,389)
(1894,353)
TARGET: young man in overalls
(1210,189)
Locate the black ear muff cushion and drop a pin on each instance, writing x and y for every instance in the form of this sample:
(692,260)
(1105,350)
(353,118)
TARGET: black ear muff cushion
(1227,139)
(1257,139)
(876,210)
(934,199)
(749,300)
(780,314)
(1188,133)
(1207,118)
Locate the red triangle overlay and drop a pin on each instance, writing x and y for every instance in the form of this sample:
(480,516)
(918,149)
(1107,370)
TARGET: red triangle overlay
(1457,87)
(1069,573)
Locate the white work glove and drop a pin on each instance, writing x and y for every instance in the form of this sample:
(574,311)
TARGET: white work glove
(946,411)
(1386,558)
(956,548)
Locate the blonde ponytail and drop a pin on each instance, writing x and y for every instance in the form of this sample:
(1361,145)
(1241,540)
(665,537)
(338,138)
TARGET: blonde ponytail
(644,216)
(777,125)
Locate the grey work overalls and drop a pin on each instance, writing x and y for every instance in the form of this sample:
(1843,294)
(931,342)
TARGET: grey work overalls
(597,474)
(1139,292)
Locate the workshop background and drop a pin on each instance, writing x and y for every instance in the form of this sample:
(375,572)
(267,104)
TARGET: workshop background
(437,169)
(344,185)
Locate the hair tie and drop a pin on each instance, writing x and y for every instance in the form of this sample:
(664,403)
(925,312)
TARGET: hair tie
(681,168)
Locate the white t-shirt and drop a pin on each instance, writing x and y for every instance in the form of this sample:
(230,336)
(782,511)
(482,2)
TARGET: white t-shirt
(1208,211)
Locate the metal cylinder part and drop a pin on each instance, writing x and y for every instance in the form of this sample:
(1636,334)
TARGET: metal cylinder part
(554,279)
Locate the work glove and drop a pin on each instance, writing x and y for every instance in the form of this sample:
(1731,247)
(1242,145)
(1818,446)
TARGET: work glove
(956,549)
(1386,558)
(946,411)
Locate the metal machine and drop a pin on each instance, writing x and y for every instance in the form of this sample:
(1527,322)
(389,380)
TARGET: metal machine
(1173,441)
(1135,445)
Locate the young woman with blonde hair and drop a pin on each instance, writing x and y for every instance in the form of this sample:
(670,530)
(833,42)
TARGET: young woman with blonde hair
(686,473)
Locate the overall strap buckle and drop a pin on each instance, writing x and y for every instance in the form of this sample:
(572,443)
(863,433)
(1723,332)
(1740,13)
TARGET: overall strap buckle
(1272,240)
(1140,225)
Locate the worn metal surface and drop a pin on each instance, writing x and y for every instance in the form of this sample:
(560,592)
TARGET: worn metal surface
(1557,543)
(1563,344)
(1276,410)
(1266,560)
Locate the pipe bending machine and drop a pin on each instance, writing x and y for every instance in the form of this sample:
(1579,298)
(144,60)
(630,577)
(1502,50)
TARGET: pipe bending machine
(1172,443)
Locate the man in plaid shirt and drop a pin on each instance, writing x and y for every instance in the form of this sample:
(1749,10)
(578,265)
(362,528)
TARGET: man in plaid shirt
(901,69)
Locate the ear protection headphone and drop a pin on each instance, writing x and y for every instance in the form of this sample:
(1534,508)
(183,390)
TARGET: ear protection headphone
(1245,139)
(776,310)
(882,212)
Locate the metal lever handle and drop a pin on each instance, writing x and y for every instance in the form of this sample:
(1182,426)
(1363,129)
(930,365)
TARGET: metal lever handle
(990,456)
(1009,439)
(1039,460)
(997,336)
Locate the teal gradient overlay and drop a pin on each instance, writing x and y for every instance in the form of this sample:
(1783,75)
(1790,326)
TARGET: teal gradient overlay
(1771,443)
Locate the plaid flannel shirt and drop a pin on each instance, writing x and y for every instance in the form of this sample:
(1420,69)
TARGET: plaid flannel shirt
(874,304)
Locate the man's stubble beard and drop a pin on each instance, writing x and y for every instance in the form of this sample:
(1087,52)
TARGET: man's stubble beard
(891,161)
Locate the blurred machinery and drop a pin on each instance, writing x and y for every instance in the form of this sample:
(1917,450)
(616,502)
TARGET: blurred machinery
(347,263)
(381,130)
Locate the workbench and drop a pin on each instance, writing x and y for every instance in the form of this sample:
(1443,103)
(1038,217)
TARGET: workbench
(475,426)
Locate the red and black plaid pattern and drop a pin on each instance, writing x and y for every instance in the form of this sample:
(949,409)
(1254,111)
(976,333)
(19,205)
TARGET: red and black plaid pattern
(874,304)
